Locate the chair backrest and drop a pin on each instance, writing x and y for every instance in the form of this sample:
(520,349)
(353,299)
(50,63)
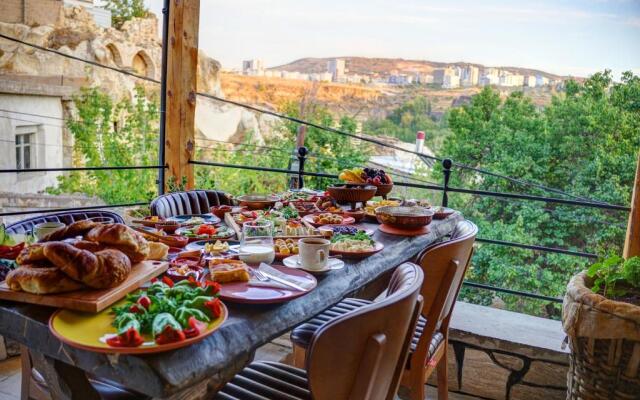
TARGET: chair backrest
(27,225)
(191,202)
(361,355)
(444,266)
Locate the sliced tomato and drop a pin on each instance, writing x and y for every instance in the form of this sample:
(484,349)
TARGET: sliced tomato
(130,338)
(214,306)
(170,335)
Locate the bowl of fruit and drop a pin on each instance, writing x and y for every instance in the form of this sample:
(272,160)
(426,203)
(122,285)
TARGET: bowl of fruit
(352,192)
(371,176)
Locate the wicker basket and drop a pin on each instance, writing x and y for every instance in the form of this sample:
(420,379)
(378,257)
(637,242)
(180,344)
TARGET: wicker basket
(604,336)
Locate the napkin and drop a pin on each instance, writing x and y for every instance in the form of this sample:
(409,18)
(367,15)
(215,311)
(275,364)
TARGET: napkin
(302,282)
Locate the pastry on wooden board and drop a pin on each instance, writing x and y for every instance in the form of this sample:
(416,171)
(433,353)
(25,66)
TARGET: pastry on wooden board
(99,270)
(41,280)
(121,237)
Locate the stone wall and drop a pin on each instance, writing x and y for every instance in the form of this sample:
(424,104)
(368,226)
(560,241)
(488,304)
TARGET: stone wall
(31,12)
(497,354)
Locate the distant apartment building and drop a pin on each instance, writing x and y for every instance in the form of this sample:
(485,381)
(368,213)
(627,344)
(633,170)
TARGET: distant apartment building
(510,79)
(541,80)
(321,77)
(469,76)
(490,76)
(423,79)
(336,67)
(530,81)
(400,79)
(253,67)
(451,81)
(447,77)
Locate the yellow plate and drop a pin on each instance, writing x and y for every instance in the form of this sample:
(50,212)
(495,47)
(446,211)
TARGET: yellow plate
(84,330)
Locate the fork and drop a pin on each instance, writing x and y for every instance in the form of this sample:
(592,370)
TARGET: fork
(261,277)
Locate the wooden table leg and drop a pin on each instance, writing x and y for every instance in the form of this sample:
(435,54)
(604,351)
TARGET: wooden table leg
(65,382)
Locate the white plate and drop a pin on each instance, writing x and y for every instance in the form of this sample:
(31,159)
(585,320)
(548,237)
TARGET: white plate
(333,263)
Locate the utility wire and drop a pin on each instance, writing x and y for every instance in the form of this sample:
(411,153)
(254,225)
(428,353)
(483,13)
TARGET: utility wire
(297,120)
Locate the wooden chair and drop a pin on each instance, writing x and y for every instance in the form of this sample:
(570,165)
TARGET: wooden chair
(358,356)
(444,265)
(190,202)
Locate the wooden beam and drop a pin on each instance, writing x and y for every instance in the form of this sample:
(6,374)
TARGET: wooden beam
(182,67)
(632,241)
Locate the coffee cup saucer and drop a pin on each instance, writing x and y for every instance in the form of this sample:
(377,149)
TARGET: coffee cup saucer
(294,262)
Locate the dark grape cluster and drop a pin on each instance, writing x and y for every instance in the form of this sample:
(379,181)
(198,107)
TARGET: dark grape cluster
(375,176)
(344,230)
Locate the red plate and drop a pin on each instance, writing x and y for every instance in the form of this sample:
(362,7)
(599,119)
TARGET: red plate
(345,221)
(354,255)
(242,292)
(391,230)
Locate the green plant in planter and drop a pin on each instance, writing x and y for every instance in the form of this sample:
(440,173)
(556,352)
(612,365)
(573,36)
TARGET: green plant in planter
(615,276)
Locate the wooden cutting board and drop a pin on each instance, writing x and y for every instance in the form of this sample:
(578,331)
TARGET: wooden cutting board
(91,300)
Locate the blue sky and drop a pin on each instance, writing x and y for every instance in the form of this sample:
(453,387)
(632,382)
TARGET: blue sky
(561,36)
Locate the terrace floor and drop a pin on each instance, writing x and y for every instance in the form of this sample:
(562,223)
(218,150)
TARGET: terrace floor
(278,350)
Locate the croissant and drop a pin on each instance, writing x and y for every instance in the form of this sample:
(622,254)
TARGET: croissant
(72,230)
(103,269)
(40,280)
(31,254)
(121,237)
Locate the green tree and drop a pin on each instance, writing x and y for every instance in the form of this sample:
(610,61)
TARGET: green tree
(584,143)
(329,153)
(113,134)
(125,10)
(403,123)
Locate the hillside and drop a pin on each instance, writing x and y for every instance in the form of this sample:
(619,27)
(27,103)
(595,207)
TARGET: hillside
(385,66)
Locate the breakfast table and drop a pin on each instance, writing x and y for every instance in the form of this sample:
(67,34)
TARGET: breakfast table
(204,367)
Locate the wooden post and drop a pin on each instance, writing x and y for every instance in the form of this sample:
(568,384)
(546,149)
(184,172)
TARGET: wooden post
(632,242)
(182,67)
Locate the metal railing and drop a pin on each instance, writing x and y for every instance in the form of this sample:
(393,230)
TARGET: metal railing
(445,188)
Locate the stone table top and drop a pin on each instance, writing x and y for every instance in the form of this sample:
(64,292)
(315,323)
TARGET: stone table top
(213,361)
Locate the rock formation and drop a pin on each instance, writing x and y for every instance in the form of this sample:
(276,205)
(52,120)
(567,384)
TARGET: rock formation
(136,47)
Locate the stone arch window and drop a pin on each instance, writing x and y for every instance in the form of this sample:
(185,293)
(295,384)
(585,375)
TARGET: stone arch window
(115,54)
(143,64)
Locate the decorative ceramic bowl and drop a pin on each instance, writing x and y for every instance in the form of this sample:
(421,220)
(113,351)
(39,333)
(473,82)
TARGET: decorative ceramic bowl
(383,189)
(257,201)
(220,211)
(404,217)
(358,215)
(352,192)
(167,226)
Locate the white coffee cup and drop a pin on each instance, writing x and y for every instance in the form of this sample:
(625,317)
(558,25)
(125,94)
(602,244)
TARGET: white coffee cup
(46,227)
(314,252)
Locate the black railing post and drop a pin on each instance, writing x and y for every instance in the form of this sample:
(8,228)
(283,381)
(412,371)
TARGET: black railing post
(302,155)
(446,170)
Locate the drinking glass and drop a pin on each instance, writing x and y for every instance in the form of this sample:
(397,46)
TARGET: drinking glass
(256,245)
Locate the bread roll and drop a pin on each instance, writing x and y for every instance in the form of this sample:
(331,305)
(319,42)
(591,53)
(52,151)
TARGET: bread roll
(72,230)
(104,269)
(31,254)
(37,280)
(157,251)
(123,238)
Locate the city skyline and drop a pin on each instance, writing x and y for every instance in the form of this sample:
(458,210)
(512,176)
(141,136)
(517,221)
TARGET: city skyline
(563,37)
